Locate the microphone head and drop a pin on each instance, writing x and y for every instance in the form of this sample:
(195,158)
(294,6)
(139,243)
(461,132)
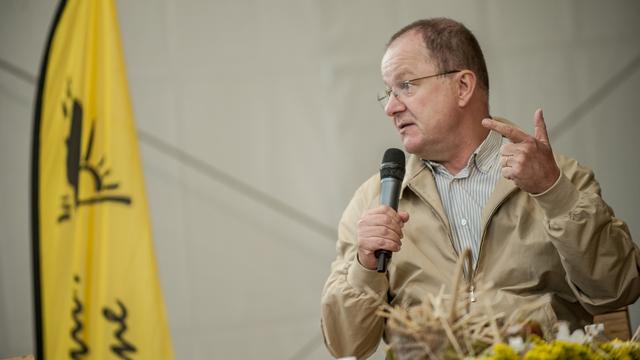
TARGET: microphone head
(393,163)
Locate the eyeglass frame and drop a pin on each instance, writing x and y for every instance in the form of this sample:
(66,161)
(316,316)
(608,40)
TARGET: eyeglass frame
(389,90)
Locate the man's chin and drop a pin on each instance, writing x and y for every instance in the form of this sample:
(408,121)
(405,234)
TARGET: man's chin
(412,147)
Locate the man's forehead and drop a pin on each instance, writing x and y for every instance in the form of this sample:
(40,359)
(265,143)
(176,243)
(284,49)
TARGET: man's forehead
(404,60)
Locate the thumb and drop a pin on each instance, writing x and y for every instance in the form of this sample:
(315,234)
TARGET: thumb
(404,216)
(540,127)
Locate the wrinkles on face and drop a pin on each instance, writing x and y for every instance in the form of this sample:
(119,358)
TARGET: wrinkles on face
(406,58)
(401,62)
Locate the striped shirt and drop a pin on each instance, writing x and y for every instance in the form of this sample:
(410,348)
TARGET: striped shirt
(465,194)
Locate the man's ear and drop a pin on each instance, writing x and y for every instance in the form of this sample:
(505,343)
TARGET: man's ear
(467,83)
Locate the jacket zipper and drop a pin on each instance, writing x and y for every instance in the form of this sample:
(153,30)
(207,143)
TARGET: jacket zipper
(484,232)
(433,210)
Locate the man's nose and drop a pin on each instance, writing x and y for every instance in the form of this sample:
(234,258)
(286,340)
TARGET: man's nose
(394,105)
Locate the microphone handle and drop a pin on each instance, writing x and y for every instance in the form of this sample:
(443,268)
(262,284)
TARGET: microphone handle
(383,258)
(390,192)
(390,196)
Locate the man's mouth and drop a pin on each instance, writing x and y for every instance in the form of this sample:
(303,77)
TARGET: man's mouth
(401,126)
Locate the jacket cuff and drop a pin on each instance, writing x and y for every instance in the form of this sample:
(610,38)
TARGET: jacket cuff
(559,199)
(360,278)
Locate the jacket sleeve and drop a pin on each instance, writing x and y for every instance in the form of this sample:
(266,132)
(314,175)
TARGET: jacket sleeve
(600,259)
(349,322)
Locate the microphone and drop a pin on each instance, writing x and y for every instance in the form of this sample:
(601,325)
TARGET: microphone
(391,175)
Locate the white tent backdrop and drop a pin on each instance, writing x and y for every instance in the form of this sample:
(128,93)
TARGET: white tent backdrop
(280,96)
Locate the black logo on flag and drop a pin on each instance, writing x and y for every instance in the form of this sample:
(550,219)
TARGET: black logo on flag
(79,162)
(122,346)
(81,348)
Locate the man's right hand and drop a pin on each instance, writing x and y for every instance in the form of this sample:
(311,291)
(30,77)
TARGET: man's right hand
(379,228)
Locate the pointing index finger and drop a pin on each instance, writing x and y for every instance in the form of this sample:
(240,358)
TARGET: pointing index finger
(512,133)
(540,127)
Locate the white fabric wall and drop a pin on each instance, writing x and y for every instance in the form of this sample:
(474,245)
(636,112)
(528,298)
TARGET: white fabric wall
(281,95)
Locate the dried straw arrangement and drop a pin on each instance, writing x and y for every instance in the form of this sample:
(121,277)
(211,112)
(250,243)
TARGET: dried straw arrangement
(443,327)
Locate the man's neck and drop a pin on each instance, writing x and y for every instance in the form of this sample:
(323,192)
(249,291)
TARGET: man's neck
(469,143)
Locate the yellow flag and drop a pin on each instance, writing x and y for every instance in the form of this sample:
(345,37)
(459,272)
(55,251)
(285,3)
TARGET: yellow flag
(97,290)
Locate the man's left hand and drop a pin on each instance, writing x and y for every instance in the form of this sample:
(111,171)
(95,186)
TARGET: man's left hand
(528,161)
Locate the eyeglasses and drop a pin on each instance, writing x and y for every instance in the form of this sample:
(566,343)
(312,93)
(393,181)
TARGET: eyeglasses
(405,88)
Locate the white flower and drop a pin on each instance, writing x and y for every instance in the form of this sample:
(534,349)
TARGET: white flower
(577,337)
(516,343)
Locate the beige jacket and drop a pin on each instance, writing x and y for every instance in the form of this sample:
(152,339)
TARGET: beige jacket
(564,247)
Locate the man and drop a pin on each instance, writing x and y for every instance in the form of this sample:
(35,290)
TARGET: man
(534,221)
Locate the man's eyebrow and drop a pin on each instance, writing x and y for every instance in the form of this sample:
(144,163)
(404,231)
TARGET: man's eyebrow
(399,76)
(405,74)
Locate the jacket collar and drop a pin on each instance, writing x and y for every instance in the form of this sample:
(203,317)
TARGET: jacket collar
(420,180)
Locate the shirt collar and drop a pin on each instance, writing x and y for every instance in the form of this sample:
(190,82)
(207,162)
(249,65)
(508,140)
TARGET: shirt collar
(486,153)
(482,158)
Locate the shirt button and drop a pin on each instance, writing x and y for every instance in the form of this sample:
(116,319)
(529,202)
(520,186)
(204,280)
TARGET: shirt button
(463,222)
